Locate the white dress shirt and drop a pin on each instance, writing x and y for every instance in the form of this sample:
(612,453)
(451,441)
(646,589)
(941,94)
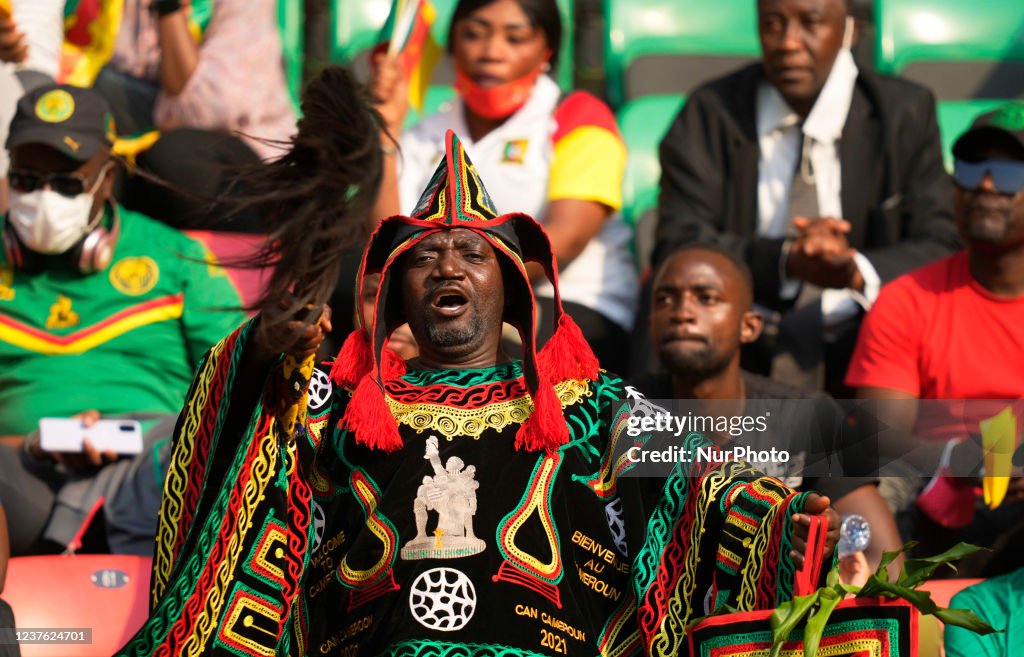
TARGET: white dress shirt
(780,141)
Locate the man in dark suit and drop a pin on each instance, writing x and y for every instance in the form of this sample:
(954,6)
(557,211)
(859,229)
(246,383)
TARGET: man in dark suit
(827,180)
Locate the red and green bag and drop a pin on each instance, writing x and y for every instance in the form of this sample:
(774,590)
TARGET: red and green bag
(882,621)
(860,627)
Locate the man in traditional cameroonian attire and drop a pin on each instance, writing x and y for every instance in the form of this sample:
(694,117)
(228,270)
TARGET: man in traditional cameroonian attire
(462,503)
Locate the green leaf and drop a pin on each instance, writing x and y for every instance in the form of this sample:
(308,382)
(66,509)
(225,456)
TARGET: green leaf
(849,588)
(875,587)
(916,571)
(957,552)
(787,617)
(889,557)
(832,580)
(827,601)
(966,619)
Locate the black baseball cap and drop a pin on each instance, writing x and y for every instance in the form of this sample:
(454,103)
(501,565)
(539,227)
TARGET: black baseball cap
(1004,123)
(73,120)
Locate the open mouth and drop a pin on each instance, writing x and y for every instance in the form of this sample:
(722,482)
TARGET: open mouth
(449,302)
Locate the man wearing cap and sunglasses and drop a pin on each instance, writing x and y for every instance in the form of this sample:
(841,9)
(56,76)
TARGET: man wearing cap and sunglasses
(954,329)
(103,312)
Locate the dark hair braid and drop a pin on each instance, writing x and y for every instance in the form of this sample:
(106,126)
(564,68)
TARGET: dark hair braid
(314,200)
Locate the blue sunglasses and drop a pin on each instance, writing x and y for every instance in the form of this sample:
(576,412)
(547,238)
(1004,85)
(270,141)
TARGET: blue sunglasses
(1007,175)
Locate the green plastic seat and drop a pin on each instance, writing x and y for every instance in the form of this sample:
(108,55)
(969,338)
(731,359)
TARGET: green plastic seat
(961,49)
(955,116)
(290,20)
(643,123)
(671,46)
(438,97)
(356,25)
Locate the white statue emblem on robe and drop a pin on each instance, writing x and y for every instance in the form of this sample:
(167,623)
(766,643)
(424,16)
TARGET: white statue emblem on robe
(451,494)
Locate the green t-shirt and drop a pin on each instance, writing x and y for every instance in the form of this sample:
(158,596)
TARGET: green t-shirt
(122,340)
(1000,602)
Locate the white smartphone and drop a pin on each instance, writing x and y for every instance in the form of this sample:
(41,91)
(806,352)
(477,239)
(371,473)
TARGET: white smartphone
(66,435)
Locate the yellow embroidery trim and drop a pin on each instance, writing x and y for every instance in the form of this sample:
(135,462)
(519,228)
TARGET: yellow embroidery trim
(176,482)
(274,536)
(538,503)
(370,497)
(248,610)
(473,422)
(262,469)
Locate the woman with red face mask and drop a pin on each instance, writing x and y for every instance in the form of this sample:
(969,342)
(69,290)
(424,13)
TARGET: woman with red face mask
(558,157)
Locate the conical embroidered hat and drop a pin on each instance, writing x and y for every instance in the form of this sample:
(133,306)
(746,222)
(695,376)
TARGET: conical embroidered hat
(456,197)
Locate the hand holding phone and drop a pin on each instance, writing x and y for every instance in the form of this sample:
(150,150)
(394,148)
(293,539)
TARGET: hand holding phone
(68,435)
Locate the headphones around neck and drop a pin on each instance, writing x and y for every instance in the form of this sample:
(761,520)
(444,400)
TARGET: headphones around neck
(90,254)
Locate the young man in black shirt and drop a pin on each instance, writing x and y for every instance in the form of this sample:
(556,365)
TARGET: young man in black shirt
(701,315)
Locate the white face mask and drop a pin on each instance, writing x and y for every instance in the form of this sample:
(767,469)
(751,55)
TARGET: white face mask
(50,223)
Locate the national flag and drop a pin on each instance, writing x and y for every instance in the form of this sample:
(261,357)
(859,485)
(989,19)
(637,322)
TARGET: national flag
(407,32)
(998,442)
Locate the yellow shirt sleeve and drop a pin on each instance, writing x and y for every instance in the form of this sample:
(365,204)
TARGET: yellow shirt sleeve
(588,164)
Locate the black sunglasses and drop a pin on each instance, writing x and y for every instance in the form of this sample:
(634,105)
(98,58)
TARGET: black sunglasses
(66,184)
(1007,175)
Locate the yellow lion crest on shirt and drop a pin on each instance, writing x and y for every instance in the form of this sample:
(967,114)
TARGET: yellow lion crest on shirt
(134,275)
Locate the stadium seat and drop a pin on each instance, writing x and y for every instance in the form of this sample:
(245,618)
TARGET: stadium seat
(955,116)
(943,590)
(290,21)
(930,633)
(438,97)
(105,592)
(643,123)
(229,247)
(961,49)
(356,25)
(671,46)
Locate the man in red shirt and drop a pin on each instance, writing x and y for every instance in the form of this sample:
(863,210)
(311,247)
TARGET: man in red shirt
(954,329)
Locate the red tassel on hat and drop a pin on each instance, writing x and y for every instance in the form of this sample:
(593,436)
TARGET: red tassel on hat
(369,418)
(545,429)
(354,361)
(393,366)
(567,355)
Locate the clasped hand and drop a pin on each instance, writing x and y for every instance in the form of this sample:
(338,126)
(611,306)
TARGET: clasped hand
(821,255)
